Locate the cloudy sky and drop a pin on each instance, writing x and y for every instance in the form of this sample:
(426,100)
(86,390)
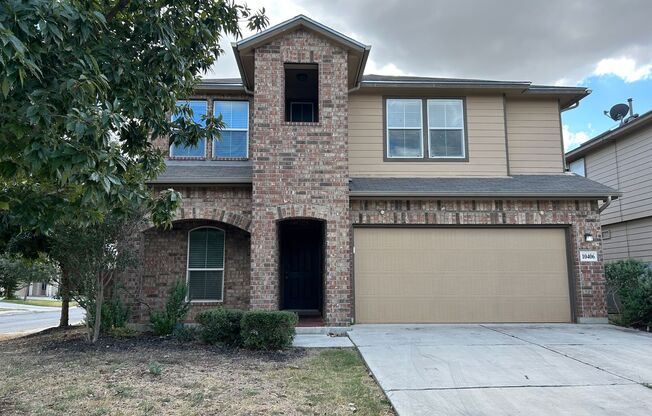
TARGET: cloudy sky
(604,45)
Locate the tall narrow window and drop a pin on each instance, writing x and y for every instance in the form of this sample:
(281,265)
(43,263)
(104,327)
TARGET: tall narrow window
(301,92)
(234,143)
(199,109)
(404,128)
(206,264)
(446,128)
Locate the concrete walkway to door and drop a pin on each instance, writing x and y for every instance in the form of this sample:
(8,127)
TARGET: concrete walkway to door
(544,369)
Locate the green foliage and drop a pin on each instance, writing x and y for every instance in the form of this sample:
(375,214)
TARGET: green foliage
(17,271)
(220,325)
(176,309)
(123,332)
(84,88)
(184,333)
(631,279)
(268,330)
(155,368)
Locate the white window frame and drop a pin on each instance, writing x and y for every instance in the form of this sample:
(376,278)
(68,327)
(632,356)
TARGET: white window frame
(188,269)
(203,156)
(232,129)
(387,128)
(312,111)
(462,129)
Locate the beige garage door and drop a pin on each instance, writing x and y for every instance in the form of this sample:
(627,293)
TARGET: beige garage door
(438,275)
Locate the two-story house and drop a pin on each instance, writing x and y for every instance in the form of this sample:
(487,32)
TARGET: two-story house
(622,158)
(376,199)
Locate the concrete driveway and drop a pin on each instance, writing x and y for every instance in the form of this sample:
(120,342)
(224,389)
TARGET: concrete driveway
(560,369)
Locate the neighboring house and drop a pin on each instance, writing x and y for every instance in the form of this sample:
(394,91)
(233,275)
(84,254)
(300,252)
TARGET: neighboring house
(49,290)
(622,158)
(376,198)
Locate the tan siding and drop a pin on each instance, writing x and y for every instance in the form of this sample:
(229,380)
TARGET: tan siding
(486,136)
(446,275)
(534,136)
(629,239)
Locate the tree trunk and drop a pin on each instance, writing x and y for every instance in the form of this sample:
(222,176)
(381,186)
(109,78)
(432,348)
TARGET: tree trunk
(99,298)
(27,291)
(64,292)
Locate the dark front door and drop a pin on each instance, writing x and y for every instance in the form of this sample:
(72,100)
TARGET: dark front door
(301,264)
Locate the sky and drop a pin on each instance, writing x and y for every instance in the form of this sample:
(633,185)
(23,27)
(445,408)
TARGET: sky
(603,45)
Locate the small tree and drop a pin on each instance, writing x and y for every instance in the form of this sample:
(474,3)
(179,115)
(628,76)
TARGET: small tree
(92,257)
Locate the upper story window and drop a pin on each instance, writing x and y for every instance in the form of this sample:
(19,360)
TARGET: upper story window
(199,109)
(301,93)
(234,143)
(578,167)
(445,129)
(404,128)
(444,118)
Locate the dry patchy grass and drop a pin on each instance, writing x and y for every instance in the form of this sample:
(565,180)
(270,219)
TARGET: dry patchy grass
(57,372)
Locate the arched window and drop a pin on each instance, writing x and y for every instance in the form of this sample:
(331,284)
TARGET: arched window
(206,264)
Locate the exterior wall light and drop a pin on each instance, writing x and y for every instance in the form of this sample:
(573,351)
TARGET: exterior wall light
(588,237)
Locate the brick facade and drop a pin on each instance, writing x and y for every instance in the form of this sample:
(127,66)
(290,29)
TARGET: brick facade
(163,253)
(300,169)
(579,216)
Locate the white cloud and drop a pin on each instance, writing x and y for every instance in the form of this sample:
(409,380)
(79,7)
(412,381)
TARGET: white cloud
(573,139)
(625,68)
(387,69)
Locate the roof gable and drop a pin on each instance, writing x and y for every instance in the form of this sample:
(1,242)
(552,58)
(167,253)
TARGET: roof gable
(243,49)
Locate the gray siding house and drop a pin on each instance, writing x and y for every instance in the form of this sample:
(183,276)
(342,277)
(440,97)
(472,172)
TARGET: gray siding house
(622,159)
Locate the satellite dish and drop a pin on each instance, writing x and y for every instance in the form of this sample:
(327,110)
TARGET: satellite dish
(618,111)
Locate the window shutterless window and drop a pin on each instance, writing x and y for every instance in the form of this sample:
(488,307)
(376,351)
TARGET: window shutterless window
(205,273)
(199,109)
(234,143)
(404,128)
(446,128)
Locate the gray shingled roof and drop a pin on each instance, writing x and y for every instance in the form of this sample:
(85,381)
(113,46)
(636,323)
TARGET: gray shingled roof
(205,171)
(558,186)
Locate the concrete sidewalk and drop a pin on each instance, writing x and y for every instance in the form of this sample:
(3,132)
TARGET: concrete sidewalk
(510,369)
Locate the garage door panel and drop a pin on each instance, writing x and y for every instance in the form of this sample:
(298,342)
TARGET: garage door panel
(461,275)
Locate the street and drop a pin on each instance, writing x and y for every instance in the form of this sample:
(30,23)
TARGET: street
(22,318)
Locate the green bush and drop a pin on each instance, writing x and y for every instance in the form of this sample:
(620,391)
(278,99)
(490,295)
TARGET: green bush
(184,333)
(632,280)
(268,330)
(176,309)
(115,314)
(220,325)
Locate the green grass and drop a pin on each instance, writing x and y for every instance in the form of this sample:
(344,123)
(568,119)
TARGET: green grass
(38,302)
(339,376)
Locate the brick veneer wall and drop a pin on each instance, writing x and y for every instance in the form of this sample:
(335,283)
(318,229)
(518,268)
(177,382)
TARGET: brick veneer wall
(163,253)
(581,216)
(300,169)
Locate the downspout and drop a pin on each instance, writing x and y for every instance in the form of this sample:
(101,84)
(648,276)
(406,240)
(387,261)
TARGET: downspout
(605,205)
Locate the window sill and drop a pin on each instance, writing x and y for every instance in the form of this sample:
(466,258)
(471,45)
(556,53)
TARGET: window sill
(186,157)
(425,159)
(302,123)
(205,302)
(230,159)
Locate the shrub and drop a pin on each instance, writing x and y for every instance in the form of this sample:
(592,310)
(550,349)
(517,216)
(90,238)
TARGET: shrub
(115,314)
(155,368)
(268,330)
(184,333)
(176,309)
(123,332)
(220,325)
(632,280)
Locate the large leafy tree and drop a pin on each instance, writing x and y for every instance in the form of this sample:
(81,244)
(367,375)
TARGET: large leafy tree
(85,85)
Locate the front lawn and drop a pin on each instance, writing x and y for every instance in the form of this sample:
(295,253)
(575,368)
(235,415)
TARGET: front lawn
(56,372)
